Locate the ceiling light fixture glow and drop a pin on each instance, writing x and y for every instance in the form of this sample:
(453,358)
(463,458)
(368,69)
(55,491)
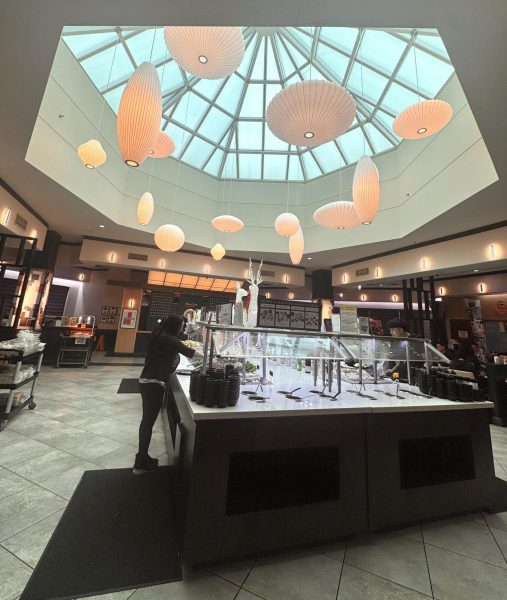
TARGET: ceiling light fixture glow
(287,224)
(337,215)
(164,146)
(227,223)
(296,247)
(422,119)
(145,208)
(217,252)
(169,238)
(366,190)
(92,154)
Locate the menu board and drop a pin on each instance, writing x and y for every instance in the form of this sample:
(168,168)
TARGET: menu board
(266,315)
(282,316)
(285,314)
(348,319)
(297,317)
(225,314)
(312,318)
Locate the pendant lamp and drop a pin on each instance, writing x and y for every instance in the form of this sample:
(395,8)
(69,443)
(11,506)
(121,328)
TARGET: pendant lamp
(422,119)
(227,223)
(145,209)
(337,215)
(218,251)
(296,247)
(366,190)
(310,113)
(286,224)
(206,52)
(164,146)
(92,154)
(139,115)
(169,238)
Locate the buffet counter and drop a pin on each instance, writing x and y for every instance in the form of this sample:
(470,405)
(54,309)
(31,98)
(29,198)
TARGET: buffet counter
(268,475)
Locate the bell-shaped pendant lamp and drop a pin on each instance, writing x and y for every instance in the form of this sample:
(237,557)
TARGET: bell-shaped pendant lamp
(296,247)
(169,238)
(145,209)
(139,114)
(286,224)
(366,190)
(422,119)
(206,52)
(164,146)
(92,154)
(227,223)
(337,215)
(310,113)
(218,251)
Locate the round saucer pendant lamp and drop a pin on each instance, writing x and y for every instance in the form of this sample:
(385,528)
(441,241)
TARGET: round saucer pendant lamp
(164,146)
(139,115)
(422,119)
(296,247)
(145,208)
(227,223)
(206,52)
(286,224)
(310,113)
(337,215)
(366,190)
(92,154)
(169,238)
(218,251)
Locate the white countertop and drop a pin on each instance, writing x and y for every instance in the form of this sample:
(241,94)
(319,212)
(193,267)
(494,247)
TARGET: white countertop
(347,402)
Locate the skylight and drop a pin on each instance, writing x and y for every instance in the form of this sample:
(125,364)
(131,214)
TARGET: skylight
(219,126)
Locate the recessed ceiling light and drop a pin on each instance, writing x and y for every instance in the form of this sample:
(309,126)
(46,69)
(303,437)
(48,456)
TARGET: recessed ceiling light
(102,226)
(309,135)
(422,130)
(308,258)
(476,270)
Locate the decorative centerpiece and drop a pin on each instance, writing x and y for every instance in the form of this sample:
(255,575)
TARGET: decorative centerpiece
(253,290)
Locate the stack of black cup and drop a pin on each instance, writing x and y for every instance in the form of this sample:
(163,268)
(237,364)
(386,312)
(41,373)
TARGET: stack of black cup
(216,387)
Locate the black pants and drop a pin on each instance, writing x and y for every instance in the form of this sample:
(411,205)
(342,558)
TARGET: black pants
(153,395)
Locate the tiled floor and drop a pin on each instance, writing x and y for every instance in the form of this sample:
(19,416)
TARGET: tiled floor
(81,423)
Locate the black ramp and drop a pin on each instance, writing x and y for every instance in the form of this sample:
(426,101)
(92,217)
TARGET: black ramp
(116,533)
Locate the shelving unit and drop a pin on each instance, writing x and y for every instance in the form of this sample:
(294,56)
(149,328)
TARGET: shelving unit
(76,341)
(12,401)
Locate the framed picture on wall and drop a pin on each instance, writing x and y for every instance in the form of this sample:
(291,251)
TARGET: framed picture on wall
(129,318)
(103,319)
(111,320)
(112,310)
(105,310)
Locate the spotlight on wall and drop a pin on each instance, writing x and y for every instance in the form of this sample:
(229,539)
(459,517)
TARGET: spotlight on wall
(81,276)
(363,297)
(291,295)
(476,270)
(268,295)
(359,286)
(340,294)
(112,257)
(207,269)
(345,278)
(34,233)
(441,291)
(492,251)
(439,299)
(131,303)
(286,279)
(482,288)
(161,263)
(424,263)
(7,216)
(377,273)
(395,298)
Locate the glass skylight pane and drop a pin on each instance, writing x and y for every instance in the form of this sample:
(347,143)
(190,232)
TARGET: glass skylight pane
(250,135)
(372,84)
(341,37)
(295,172)
(82,44)
(171,79)
(215,124)
(271,68)
(249,166)
(380,142)
(353,145)
(433,43)
(253,102)
(432,72)
(113,98)
(247,58)
(229,169)
(311,167)
(285,61)
(214,163)
(230,95)
(328,156)
(275,166)
(398,98)
(333,60)
(296,55)
(140,46)
(305,40)
(258,70)
(272,90)
(312,72)
(385,119)
(198,152)
(208,87)
(99,65)
(381,50)
(190,110)
(271,142)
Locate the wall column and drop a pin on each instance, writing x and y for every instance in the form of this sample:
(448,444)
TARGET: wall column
(126,338)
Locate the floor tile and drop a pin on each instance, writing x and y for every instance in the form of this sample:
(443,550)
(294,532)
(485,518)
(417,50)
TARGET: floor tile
(236,572)
(116,430)
(23,509)
(64,484)
(456,577)
(359,585)
(43,467)
(13,575)
(28,545)
(414,532)
(394,557)
(246,595)
(118,459)
(497,520)
(295,576)
(124,595)
(10,483)
(335,550)
(501,539)
(464,537)
(21,451)
(201,586)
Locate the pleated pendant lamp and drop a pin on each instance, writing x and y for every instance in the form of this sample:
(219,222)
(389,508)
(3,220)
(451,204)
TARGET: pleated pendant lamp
(218,251)
(164,146)
(422,119)
(169,238)
(92,154)
(337,215)
(366,190)
(227,223)
(296,247)
(145,209)
(286,224)
(139,115)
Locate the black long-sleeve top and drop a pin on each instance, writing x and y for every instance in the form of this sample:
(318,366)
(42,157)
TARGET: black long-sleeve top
(163,357)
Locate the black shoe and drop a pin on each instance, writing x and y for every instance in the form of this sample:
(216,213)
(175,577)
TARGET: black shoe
(144,464)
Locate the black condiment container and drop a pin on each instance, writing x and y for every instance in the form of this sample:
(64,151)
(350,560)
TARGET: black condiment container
(452,390)
(201,388)
(223,392)
(211,392)
(194,385)
(441,387)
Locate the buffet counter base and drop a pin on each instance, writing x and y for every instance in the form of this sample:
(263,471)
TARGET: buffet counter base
(252,481)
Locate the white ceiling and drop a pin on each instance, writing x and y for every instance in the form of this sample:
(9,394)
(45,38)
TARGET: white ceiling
(29,36)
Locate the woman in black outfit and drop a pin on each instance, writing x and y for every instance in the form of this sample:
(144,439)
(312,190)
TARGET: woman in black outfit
(162,359)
